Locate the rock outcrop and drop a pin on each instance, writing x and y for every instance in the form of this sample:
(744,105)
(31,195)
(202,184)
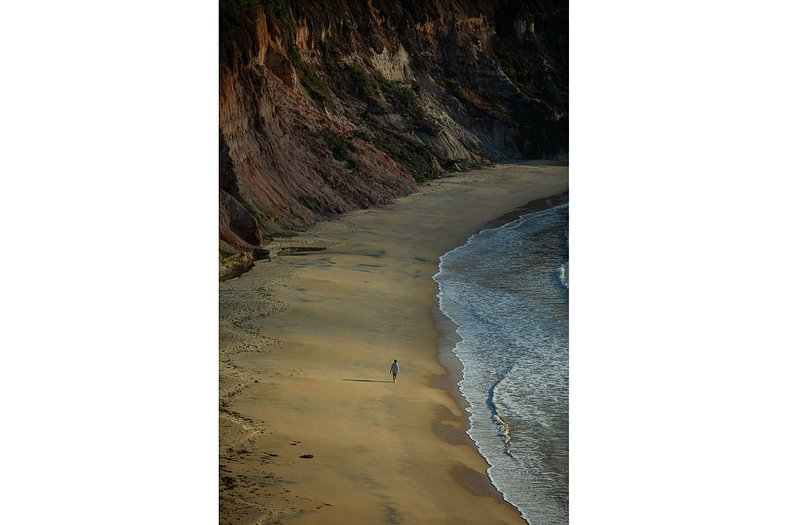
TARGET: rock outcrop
(331,106)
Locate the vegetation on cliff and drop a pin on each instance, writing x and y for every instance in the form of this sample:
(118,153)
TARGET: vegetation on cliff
(330,106)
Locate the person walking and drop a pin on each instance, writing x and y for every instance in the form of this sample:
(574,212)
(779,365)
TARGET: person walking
(394,370)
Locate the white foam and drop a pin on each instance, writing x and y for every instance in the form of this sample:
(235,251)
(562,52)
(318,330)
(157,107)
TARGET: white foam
(500,290)
(563,274)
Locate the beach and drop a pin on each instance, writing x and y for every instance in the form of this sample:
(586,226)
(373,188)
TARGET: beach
(312,429)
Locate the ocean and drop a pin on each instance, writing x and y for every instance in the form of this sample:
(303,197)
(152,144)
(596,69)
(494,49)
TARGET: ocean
(507,292)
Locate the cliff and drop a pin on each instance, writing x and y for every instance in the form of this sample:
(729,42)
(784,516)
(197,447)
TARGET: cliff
(330,106)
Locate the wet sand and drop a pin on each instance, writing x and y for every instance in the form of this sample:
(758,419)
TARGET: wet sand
(312,430)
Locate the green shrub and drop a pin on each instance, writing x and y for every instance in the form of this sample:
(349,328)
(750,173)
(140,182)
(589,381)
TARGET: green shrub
(360,81)
(415,157)
(456,89)
(309,76)
(341,148)
(403,93)
(259,216)
(276,8)
(363,135)
(330,48)
(353,164)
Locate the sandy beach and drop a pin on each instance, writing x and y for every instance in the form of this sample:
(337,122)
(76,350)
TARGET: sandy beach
(312,430)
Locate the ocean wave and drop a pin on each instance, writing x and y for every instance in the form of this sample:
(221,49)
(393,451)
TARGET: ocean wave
(563,274)
(504,430)
(506,290)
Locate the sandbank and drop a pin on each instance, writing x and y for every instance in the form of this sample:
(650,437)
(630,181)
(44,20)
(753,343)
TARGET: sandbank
(312,430)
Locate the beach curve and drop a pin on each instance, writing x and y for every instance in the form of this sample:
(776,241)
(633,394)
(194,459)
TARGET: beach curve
(306,342)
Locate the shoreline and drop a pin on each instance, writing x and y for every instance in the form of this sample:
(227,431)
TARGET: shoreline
(305,344)
(458,363)
(447,329)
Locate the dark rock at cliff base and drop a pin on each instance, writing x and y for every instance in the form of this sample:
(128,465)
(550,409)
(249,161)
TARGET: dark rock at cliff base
(260,253)
(241,222)
(300,250)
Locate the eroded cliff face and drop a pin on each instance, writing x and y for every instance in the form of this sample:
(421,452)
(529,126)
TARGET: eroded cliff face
(330,106)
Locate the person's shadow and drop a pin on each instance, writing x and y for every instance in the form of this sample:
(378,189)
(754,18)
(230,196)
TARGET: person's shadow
(367,380)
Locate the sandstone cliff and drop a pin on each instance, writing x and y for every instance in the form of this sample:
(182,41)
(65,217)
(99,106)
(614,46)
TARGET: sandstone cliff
(331,106)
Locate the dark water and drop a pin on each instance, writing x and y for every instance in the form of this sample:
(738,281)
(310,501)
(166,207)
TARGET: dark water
(507,291)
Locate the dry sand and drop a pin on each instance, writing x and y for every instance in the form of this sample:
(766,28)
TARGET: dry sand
(306,341)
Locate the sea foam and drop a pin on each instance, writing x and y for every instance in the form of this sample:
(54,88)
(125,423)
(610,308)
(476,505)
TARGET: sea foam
(506,290)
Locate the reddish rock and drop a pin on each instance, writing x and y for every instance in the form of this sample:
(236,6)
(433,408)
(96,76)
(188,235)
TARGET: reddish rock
(327,107)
